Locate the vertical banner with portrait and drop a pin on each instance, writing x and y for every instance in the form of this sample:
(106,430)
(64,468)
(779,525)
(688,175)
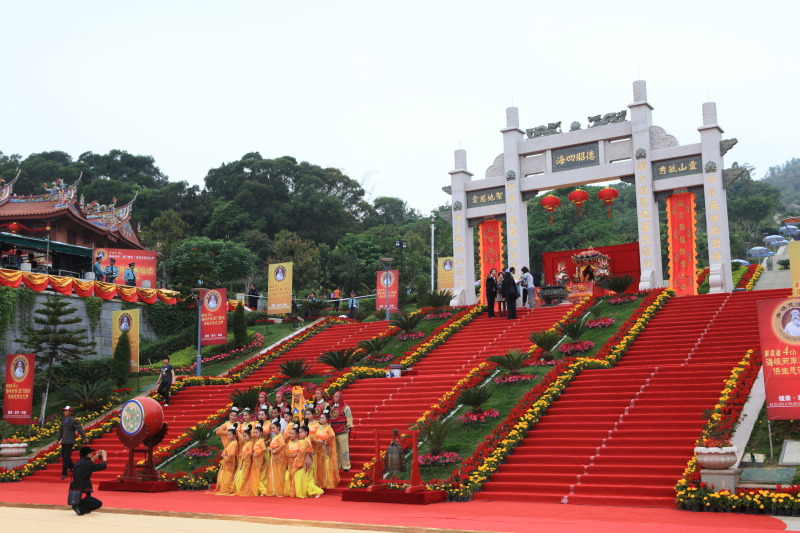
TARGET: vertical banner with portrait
(18,399)
(445,279)
(214,317)
(127,320)
(794,259)
(387,281)
(779,328)
(279,288)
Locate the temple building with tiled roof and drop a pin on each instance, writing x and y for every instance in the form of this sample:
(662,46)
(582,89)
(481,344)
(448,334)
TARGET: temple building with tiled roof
(62,225)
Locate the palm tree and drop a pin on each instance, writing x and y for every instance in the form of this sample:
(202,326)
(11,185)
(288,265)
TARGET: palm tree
(513,361)
(545,339)
(340,359)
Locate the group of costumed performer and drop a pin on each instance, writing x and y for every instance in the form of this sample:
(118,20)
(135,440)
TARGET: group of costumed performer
(262,460)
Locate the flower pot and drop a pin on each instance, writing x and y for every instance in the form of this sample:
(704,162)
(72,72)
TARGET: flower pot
(716,458)
(13,450)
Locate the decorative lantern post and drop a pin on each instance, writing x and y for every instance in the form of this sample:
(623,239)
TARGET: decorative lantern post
(578,197)
(607,196)
(550,203)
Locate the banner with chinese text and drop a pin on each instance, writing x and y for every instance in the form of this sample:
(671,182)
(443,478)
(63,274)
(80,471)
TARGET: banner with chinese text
(387,281)
(779,329)
(214,317)
(682,243)
(18,399)
(445,279)
(794,259)
(145,268)
(279,288)
(126,320)
(490,246)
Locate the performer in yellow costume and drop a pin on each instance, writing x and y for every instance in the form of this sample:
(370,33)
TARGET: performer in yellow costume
(247,423)
(276,471)
(222,431)
(245,460)
(227,466)
(252,485)
(298,403)
(300,473)
(326,463)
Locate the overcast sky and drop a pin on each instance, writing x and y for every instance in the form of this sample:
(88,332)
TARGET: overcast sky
(385,91)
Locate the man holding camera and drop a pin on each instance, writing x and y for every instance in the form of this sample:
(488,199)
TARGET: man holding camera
(81,484)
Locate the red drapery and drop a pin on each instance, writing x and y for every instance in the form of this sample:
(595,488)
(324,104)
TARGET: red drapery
(682,243)
(490,242)
(84,289)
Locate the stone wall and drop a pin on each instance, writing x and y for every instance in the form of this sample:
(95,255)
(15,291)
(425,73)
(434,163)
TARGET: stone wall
(102,334)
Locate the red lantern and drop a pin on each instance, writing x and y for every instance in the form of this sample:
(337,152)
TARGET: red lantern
(607,196)
(14,227)
(550,203)
(578,197)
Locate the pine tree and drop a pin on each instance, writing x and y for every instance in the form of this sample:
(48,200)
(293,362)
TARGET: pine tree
(52,342)
(120,360)
(239,326)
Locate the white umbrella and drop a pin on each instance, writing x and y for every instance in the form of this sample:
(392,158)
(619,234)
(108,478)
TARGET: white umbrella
(773,238)
(788,229)
(759,251)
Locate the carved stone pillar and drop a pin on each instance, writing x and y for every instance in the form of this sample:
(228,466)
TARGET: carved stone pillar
(463,243)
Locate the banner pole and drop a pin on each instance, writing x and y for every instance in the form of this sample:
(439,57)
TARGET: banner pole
(769,430)
(199,370)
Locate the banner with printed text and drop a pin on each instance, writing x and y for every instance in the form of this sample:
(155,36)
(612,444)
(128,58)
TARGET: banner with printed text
(490,246)
(214,317)
(779,328)
(794,259)
(127,320)
(445,277)
(387,282)
(279,288)
(681,243)
(144,265)
(18,399)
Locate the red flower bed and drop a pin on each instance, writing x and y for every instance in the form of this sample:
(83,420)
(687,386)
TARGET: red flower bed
(573,348)
(600,323)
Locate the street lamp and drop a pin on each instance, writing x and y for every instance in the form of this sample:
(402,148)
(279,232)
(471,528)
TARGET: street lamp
(433,228)
(399,243)
(387,264)
(198,296)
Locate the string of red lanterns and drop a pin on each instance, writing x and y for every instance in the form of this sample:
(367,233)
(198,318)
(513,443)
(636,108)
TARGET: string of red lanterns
(14,227)
(607,195)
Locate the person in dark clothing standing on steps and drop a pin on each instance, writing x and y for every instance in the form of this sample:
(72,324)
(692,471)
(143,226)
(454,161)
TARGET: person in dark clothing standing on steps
(510,293)
(66,438)
(82,480)
(352,306)
(490,289)
(165,378)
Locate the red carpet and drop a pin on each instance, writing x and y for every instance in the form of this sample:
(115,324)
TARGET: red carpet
(194,404)
(622,436)
(469,516)
(377,404)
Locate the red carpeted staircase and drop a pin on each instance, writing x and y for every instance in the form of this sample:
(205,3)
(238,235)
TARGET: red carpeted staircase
(623,436)
(398,402)
(195,404)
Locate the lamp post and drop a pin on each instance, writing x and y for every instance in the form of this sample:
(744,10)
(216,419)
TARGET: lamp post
(387,264)
(433,228)
(399,243)
(198,295)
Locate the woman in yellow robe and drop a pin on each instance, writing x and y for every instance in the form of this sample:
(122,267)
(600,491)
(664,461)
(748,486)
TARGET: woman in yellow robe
(247,423)
(251,486)
(245,460)
(222,431)
(227,466)
(276,471)
(326,464)
(300,475)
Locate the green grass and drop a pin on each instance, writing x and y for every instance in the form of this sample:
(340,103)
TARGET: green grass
(181,463)
(464,439)
(759,439)
(397,348)
(620,313)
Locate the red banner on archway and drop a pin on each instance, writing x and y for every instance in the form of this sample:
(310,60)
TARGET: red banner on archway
(18,400)
(681,242)
(490,243)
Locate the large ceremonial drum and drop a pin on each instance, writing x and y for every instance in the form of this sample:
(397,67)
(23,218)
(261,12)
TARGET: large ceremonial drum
(140,413)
